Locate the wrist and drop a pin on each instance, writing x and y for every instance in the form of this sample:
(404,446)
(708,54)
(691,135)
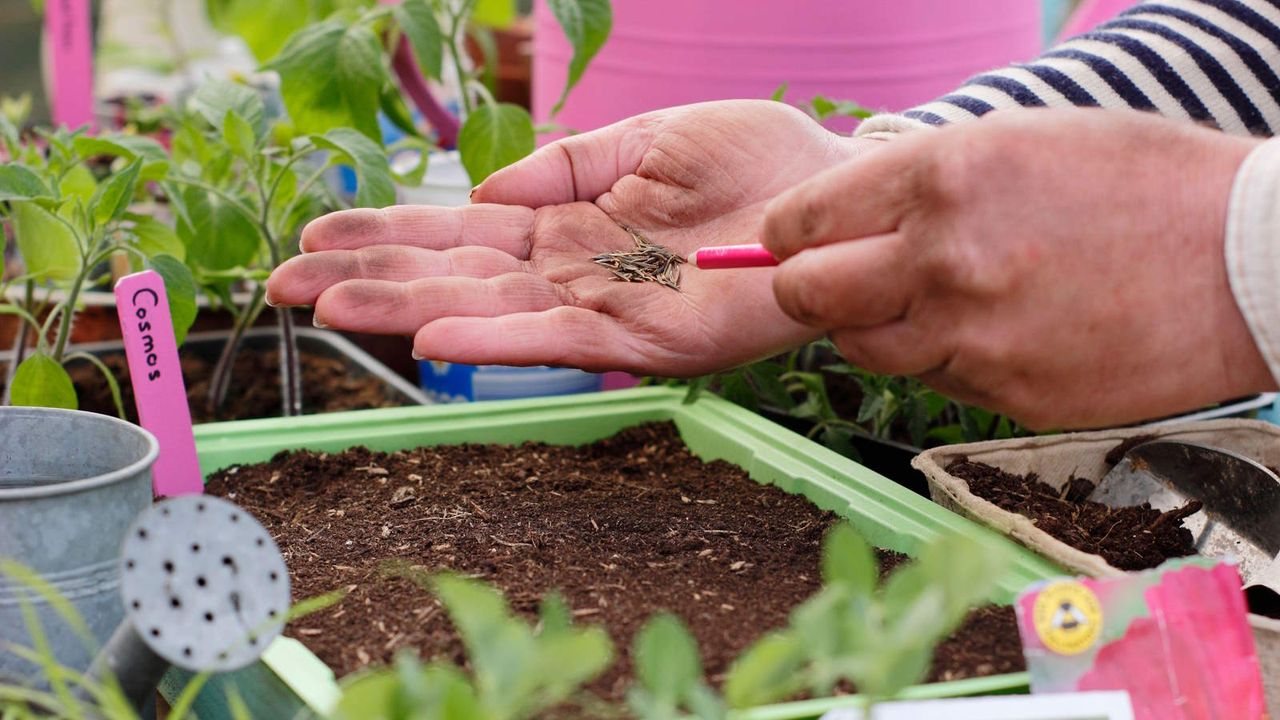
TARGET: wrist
(1251,255)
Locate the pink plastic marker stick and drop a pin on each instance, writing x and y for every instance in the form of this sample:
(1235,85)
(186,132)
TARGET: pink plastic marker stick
(725,257)
(161,394)
(70,42)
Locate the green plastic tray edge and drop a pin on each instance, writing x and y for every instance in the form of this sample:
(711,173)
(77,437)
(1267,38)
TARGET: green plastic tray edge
(713,429)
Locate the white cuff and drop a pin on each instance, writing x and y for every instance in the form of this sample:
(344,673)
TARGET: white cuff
(880,126)
(1253,248)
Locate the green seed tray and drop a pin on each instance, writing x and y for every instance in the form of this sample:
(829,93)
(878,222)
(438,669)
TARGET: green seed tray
(290,680)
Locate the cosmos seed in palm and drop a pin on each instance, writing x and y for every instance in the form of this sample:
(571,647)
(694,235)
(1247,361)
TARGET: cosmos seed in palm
(646,262)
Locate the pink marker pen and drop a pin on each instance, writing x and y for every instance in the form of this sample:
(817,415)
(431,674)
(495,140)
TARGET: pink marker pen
(725,257)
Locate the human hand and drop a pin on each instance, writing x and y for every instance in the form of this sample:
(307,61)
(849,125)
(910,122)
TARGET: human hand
(510,280)
(1063,267)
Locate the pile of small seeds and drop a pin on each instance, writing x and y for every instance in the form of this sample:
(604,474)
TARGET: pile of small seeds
(647,262)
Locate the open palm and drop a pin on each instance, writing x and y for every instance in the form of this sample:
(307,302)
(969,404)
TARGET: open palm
(510,280)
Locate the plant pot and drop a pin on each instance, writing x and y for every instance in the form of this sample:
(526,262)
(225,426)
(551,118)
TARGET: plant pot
(321,343)
(883,55)
(70,485)
(1056,458)
(888,516)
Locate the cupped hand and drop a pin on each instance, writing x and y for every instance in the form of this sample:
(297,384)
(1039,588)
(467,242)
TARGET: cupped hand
(509,280)
(1064,267)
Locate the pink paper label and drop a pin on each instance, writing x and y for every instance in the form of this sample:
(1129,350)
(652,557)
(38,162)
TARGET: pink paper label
(158,387)
(69,39)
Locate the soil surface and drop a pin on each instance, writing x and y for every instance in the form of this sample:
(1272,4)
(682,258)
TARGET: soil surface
(624,528)
(1132,538)
(254,391)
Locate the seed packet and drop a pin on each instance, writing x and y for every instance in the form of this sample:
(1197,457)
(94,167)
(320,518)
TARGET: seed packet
(1177,638)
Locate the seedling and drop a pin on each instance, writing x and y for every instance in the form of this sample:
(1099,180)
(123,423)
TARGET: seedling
(68,223)
(241,189)
(416,40)
(903,409)
(518,671)
(879,636)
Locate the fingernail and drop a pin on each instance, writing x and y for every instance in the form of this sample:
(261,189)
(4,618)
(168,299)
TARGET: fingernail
(316,322)
(471,195)
(269,301)
(416,356)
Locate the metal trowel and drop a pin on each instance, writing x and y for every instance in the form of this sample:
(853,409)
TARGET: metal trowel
(1239,518)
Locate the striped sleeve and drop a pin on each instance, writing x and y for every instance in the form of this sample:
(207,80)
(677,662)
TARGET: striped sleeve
(1214,62)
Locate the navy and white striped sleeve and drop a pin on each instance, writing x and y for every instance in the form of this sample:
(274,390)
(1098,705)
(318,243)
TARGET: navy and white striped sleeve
(1214,62)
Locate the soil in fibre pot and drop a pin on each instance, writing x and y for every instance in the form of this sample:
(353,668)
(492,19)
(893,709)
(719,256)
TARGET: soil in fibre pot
(624,527)
(327,386)
(1131,538)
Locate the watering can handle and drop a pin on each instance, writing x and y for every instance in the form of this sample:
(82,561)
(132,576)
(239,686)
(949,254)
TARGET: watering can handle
(135,666)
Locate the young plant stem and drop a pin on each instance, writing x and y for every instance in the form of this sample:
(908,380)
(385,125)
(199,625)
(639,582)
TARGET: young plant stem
(19,343)
(221,380)
(68,315)
(290,367)
(415,86)
(458,49)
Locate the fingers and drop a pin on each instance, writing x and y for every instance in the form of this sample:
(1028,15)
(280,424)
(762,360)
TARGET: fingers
(581,167)
(401,308)
(866,196)
(501,227)
(565,336)
(301,279)
(854,284)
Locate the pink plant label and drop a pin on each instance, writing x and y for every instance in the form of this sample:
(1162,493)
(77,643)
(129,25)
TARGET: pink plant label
(69,39)
(161,395)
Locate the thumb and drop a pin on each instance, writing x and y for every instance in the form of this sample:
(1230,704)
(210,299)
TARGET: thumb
(862,197)
(581,167)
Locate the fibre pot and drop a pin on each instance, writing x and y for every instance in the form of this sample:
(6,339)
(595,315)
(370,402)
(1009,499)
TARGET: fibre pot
(70,484)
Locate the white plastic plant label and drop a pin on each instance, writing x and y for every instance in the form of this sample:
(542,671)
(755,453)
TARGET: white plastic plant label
(1111,705)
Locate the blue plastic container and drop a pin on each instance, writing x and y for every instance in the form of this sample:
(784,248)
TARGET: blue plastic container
(450,383)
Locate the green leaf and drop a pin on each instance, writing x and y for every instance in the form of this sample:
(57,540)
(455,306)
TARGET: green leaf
(180,286)
(374,187)
(586,24)
(239,136)
(493,137)
(48,247)
(697,386)
(113,196)
(848,559)
(263,25)
(494,13)
(780,93)
(766,376)
(767,672)
(217,235)
(40,381)
(155,160)
(735,388)
(129,147)
(78,182)
(666,658)
(18,182)
(215,99)
(154,237)
(345,93)
(443,693)
(562,663)
(554,615)
(423,33)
